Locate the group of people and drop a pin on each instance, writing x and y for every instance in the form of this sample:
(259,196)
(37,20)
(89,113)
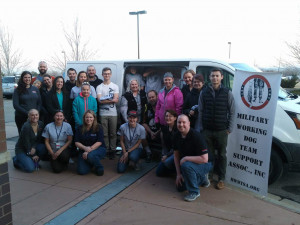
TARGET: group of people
(189,124)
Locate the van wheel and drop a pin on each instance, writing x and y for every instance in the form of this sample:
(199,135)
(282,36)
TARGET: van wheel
(276,166)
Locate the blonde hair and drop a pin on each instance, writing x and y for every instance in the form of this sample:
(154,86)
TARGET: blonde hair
(95,126)
(37,82)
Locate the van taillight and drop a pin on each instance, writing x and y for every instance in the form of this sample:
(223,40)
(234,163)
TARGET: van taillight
(295,117)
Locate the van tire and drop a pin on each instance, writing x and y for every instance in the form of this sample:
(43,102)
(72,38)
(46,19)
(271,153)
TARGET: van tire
(276,166)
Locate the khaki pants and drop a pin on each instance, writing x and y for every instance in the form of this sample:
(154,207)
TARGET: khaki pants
(109,125)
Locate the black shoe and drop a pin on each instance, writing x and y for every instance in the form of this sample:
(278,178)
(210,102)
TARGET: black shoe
(100,172)
(15,163)
(148,159)
(112,155)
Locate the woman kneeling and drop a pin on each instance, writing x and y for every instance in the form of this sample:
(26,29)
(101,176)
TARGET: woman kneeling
(29,148)
(58,137)
(90,140)
(132,134)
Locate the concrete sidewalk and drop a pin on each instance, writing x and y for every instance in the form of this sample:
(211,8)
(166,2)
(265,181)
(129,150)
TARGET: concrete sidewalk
(44,197)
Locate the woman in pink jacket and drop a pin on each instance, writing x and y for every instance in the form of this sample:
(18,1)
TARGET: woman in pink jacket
(170,97)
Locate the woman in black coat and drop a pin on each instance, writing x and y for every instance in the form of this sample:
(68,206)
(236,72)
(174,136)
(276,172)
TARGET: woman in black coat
(190,105)
(133,100)
(59,99)
(25,97)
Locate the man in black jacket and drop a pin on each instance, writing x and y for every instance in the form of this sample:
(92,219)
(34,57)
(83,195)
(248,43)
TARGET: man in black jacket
(216,109)
(92,77)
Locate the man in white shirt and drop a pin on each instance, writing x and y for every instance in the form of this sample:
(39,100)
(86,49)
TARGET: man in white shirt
(108,96)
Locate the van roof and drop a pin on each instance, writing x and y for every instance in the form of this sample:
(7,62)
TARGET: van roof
(156,60)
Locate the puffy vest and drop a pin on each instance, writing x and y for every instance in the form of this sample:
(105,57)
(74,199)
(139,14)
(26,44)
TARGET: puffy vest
(132,103)
(215,110)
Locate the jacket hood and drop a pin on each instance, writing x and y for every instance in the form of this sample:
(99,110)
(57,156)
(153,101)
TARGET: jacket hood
(80,94)
(173,87)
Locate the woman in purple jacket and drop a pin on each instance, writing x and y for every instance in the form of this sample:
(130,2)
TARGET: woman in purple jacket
(170,97)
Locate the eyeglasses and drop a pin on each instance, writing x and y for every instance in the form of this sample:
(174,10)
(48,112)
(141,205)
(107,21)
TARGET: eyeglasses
(106,73)
(86,83)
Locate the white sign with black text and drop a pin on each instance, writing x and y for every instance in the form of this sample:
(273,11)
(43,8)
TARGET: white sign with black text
(249,144)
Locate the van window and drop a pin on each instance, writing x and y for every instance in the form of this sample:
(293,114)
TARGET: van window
(205,71)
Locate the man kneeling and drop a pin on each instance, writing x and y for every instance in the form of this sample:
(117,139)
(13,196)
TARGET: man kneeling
(192,160)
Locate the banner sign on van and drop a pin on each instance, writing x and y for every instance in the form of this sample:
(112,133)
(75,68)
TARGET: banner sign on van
(249,144)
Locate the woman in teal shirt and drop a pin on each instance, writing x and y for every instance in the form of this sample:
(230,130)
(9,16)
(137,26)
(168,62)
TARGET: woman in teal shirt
(59,99)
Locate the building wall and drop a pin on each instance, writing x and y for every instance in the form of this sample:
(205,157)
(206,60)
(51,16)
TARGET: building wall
(5,200)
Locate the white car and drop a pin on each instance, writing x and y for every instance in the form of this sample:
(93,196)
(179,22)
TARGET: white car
(9,84)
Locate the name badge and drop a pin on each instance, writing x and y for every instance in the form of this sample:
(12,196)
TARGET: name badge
(57,145)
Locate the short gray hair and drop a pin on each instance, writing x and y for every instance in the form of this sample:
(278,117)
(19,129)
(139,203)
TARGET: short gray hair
(89,67)
(42,62)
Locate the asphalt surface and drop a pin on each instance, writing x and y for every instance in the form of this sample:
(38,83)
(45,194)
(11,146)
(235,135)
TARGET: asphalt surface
(287,187)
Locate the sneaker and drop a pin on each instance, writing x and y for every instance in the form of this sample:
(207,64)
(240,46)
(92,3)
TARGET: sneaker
(220,185)
(191,197)
(206,182)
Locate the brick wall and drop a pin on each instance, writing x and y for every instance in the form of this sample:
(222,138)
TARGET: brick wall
(5,202)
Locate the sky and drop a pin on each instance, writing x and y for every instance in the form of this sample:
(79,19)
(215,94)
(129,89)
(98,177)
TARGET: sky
(257,29)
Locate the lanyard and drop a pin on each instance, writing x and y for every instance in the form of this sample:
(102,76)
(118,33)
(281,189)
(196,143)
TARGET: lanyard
(131,137)
(57,135)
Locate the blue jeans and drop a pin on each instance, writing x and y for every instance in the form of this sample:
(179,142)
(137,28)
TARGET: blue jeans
(193,175)
(133,156)
(25,162)
(166,168)
(93,160)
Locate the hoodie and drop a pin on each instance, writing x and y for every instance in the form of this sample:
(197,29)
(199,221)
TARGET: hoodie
(173,100)
(81,105)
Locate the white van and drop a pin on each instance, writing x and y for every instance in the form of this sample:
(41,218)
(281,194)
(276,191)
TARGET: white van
(286,134)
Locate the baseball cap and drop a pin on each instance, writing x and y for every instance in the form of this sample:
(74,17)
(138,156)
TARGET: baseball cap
(132,113)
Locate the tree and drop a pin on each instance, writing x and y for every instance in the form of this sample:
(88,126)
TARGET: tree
(76,49)
(289,83)
(294,50)
(11,57)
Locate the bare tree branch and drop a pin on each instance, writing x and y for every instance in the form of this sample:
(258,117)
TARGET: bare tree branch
(10,56)
(76,48)
(294,52)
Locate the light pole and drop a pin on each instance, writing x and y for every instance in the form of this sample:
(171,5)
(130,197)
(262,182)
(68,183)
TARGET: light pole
(229,43)
(63,52)
(137,13)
